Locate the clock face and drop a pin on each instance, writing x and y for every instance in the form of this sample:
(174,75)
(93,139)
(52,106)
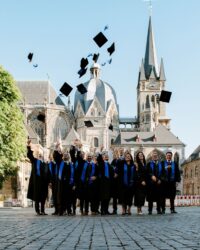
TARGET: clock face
(153,85)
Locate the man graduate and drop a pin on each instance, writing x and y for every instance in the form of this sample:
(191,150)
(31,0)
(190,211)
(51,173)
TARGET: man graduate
(155,180)
(172,177)
(106,174)
(66,184)
(87,185)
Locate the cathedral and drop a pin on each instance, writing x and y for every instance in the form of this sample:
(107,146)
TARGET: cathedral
(49,119)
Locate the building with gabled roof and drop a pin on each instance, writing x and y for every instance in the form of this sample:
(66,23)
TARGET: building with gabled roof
(191,173)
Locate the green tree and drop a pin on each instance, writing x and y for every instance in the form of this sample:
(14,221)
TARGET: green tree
(12,129)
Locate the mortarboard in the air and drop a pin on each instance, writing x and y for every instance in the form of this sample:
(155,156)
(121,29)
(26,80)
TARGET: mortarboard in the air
(41,117)
(84,63)
(82,72)
(111,49)
(110,61)
(88,124)
(100,39)
(30,57)
(81,88)
(66,89)
(95,57)
(111,127)
(165,96)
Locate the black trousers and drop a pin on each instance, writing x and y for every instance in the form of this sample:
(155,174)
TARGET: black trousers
(104,206)
(115,202)
(39,206)
(84,205)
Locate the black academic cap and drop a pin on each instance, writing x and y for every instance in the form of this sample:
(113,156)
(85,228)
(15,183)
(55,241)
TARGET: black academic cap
(66,89)
(100,39)
(81,88)
(111,127)
(165,96)
(84,63)
(41,117)
(111,49)
(95,57)
(110,61)
(88,124)
(82,72)
(30,57)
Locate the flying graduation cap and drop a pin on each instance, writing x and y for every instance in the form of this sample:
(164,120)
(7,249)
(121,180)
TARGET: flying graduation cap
(106,27)
(95,57)
(165,96)
(110,61)
(41,117)
(30,57)
(81,88)
(111,49)
(82,72)
(100,39)
(84,63)
(88,124)
(110,127)
(66,89)
(35,65)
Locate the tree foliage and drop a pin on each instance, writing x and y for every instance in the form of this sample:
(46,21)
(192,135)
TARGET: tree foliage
(12,130)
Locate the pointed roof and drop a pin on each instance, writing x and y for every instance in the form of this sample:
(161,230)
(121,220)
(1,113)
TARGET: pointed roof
(73,135)
(142,72)
(150,59)
(153,74)
(162,71)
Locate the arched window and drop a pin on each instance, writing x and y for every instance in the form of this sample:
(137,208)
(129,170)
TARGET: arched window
(92,112)
(147,102)
(112,141)
(96,142)
(147,118)
(196,171)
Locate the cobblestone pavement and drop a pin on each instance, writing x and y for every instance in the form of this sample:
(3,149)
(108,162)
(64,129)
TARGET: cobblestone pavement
(22,229)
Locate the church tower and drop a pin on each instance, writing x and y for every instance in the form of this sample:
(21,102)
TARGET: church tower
(151,82)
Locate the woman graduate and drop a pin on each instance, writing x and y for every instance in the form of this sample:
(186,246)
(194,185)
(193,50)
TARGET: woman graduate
(39,181)
(126,172)
(140,183)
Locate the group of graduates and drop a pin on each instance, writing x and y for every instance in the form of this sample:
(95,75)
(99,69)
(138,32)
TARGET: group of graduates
(93,180)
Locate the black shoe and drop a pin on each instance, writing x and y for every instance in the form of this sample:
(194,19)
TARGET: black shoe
(55,213)
(163,212)
(159,212)
(173,212)
(43,213)
(114,212)
(150,212)
(38,213)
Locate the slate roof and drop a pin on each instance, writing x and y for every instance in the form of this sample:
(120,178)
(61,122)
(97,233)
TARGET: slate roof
(162,134)
(35,92)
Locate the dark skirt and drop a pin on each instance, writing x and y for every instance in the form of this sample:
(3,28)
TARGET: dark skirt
(126,195)
(140,195)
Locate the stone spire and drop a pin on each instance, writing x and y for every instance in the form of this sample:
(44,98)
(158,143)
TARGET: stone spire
(150,60)
(162,71)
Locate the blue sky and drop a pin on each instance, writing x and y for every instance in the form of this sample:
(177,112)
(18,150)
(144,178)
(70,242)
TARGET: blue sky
(60,33)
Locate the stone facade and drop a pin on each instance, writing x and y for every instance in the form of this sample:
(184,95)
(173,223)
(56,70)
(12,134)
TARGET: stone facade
(191,174)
